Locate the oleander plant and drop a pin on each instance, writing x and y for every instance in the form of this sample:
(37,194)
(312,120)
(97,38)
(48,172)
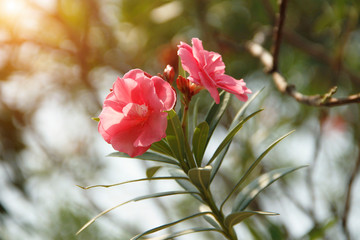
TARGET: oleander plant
(148,118)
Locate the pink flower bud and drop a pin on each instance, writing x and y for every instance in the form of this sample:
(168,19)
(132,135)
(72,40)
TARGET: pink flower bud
(169,74)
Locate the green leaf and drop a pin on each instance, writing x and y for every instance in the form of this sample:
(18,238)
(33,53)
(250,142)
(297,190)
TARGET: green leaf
(252,167)
(175,136)
(239,114)
(230,136)
(259,184)
(150,172)
(216,111)
(195,113)
(153,230)
(185,184)
(199,141)
(210,219)
(243,108)
(237,217)
(136,180)
(96,119)
(161,147)
(149,196)
(150,156)
(189,231)
(181,69)
(200,177)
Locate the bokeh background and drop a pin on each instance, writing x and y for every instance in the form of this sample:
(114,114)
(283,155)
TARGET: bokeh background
(59,58)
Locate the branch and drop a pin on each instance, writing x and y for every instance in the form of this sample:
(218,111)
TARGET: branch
(325,100)
(280,20)
(345,216)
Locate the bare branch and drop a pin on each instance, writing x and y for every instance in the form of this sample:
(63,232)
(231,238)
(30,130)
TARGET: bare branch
(280,20)
(312,100)
(345,216)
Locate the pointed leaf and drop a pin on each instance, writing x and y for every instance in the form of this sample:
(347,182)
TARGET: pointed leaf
(259,184)
(216,111)
(149,196)
(199,141)
(181,69)
(96,119)
(168,225)
(151,156)
(185,232)
(243,108)
(175,136)
(200,177)
(136,180)
(235,218)
(230,136)
(252,167)
(161,147)
(150,172)
(209,218)
(235,121)
(185,184)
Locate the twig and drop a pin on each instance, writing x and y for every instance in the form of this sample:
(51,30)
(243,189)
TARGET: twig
(280,20)
(312,100)
(345,216)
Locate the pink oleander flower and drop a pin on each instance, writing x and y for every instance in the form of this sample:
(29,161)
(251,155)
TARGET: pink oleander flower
(133,115)
(208,70)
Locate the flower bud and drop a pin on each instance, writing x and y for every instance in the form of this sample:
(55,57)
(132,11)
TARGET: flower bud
(169,74)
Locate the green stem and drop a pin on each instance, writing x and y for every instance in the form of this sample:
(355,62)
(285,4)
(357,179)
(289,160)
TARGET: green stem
(219,216)
(184,125)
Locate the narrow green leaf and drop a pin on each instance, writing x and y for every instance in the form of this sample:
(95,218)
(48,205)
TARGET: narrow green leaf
(153,230)
(230,136)
(175,136)
(209,218)
(96,119)
(150,156)
(181,69)
(187,231)
(150,172)
(237,217)
(199,141)
(243,108)
(195,113)
(161,147)
(149,196)
(216,111)
(136,180)
(252,167)
(259,184)
(200,177)
(185,184)
(239,114)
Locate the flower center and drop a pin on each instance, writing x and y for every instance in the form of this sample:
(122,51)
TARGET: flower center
(134,110)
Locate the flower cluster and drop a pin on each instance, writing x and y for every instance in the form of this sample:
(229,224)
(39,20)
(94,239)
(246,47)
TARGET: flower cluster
(134,114)
(138,115)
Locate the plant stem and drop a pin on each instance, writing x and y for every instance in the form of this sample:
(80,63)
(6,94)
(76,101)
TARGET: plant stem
(184,125)
(219,216)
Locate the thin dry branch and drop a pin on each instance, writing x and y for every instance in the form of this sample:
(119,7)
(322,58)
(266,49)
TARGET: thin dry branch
(278,30)
(283,86)
(345,215)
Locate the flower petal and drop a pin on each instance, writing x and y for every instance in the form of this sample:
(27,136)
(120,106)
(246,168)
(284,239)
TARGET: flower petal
(123,142)
(153,130)
(165,93)
(231,85)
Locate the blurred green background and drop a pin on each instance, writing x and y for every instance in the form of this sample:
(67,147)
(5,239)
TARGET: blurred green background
(59,58)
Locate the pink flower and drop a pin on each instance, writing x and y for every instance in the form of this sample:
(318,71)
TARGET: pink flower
(133,115)
(208,70)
